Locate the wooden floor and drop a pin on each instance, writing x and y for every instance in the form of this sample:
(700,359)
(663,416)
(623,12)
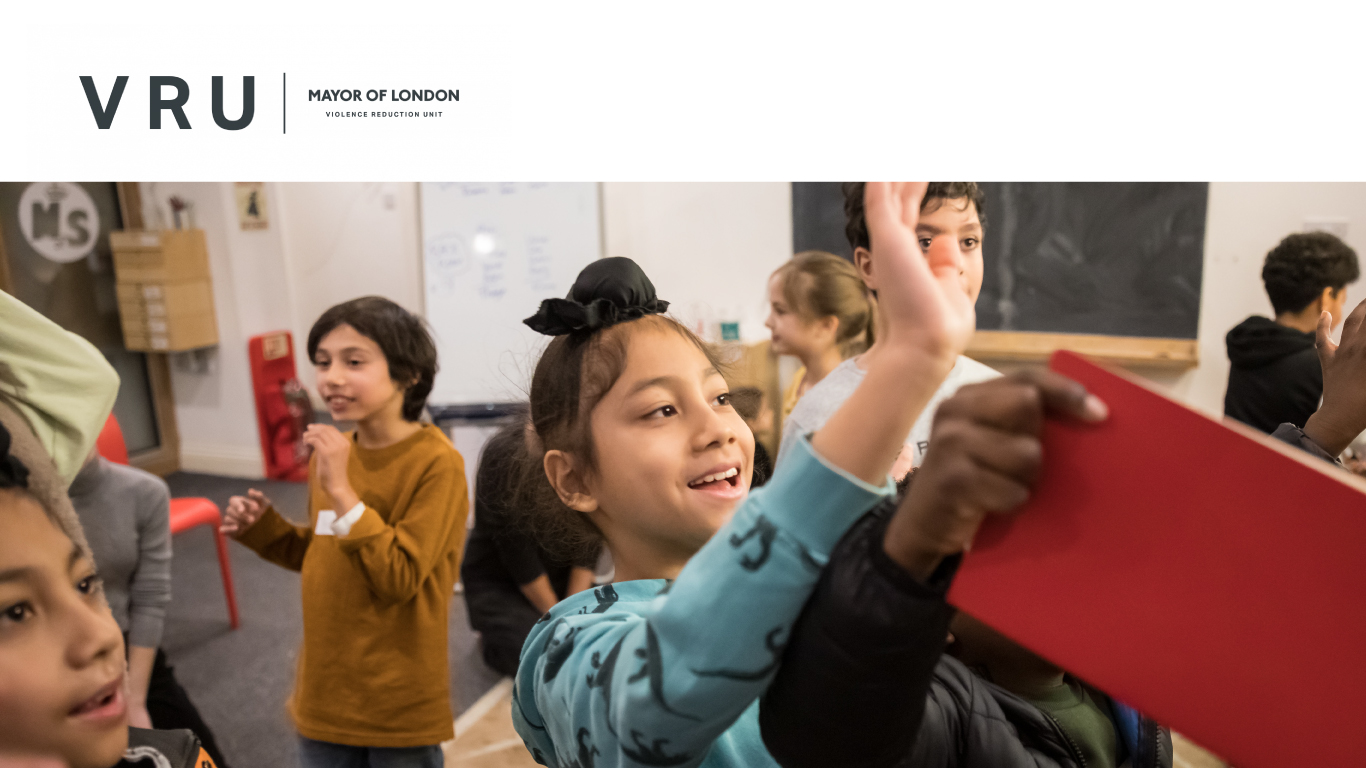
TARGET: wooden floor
(1188,754)
(484,737)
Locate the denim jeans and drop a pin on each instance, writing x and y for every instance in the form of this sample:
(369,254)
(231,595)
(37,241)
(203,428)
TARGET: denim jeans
(324,754)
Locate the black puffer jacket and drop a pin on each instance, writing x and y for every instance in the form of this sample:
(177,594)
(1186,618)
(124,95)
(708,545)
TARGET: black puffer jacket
(864,681)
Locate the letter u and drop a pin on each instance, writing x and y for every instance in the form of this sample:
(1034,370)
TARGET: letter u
(248,104)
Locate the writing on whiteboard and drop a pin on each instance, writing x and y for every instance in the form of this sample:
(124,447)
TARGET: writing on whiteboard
(540,273)
(448,258)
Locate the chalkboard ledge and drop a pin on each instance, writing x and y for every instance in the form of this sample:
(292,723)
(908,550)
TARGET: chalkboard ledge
(1027,346)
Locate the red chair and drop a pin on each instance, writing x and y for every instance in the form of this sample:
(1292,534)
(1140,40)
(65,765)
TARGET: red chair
(186,512)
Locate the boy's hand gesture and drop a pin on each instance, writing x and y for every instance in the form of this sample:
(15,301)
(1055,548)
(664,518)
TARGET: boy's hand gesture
(243,512)
(333,450)
(984,455)
(1342,416)
(926,305)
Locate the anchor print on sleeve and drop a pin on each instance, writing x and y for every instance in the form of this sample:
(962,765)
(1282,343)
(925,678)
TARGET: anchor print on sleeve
(766,531)
(653,668)
(603,679)
(586,752)
(558,649)
(652,754)
(606,596)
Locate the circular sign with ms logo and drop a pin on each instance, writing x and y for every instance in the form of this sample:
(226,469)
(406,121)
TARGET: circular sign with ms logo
(59,220)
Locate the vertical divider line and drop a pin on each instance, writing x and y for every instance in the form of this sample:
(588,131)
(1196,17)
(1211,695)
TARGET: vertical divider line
(284,104)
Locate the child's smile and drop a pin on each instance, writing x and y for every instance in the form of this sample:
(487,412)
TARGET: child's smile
(722,481)
(337,405)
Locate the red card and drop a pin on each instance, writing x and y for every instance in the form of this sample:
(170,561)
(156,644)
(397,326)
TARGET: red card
(1205,574)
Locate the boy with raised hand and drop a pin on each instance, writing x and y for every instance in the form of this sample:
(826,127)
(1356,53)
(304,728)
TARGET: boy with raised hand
(1275,376)
(949,232)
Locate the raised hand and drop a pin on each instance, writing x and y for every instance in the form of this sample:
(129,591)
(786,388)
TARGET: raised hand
(1342,416)
(333,451)
(984,455)
(926,305)
(243,512)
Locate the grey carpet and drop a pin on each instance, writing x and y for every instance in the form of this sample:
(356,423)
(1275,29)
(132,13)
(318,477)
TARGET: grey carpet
(241,679)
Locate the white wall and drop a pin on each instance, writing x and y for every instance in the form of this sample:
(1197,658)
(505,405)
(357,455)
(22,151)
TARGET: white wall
(215,412)
(709,248)
(344,240)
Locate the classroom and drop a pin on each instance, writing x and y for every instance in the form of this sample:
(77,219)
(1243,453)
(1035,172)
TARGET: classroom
(206,298)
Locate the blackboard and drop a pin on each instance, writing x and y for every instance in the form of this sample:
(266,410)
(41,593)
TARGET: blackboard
(1113,259)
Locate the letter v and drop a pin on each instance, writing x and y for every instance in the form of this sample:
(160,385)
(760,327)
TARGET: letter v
(104,115)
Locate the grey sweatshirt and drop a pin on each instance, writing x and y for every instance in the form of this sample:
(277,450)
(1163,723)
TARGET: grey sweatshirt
(127,518)
(822,400)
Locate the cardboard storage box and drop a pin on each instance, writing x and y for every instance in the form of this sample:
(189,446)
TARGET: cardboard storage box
(170,334)
(165,256)
(167,317)
(164,289)
(142,300)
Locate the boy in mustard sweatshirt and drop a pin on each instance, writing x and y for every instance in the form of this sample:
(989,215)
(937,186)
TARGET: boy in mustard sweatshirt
(380,555)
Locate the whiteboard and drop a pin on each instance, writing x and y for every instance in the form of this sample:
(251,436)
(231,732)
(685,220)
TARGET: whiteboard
(491,253)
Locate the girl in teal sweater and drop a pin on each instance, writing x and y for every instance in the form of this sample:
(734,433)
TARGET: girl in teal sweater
(640,446)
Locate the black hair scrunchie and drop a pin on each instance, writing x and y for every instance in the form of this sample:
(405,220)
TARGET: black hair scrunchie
(607,292)
(13,473)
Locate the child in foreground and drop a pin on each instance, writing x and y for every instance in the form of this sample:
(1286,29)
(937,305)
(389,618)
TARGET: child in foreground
(62,665)
(63,681)
(380,554)
(638,437)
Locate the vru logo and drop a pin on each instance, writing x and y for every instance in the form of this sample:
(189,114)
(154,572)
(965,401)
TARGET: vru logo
(104,111)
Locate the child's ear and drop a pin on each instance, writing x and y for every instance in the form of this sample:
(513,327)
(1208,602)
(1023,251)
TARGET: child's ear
(831,324)
(568,482)
(863,262)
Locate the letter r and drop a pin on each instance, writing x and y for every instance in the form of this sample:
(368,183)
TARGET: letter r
(176,105)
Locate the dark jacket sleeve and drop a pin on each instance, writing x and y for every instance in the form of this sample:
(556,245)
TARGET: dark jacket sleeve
(852,687)
(1289,433)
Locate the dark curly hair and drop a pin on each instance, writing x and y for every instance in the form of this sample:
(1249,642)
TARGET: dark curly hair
(1302,265)
(856,227)
(401,336)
